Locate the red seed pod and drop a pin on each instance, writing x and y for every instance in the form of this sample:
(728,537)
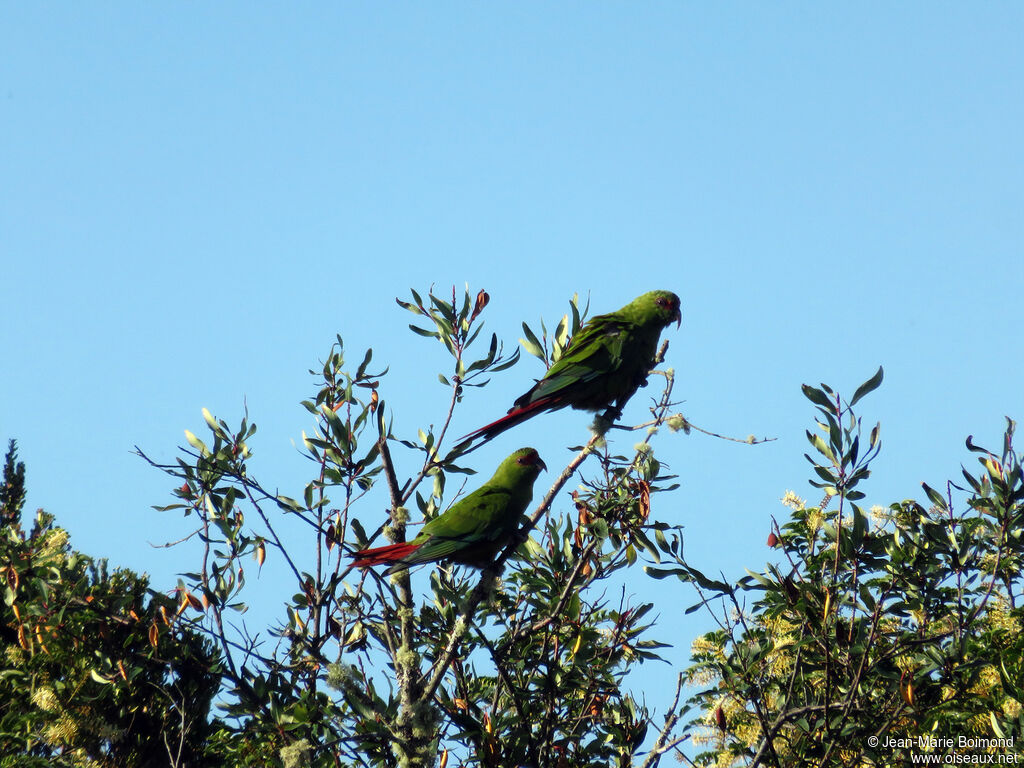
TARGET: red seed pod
(482,300)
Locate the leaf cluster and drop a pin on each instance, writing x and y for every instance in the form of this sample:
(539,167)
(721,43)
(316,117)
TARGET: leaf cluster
(897,623)
(96,670)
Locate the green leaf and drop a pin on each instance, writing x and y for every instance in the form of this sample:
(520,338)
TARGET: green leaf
(196,443)
(934,496)
(100,678)
(411,307)
(972,481)
(835,437)
(512,360)
(661,573)
(532,348)
(359,532)
(860,523)
(562,331)
(534,551)
(866,597)
(821,446)
(531,343)
(444,307)
(824,474)
(212,422)
(868,386)
(974,447)
(817,397)
(662,542)
(424,332)
(289,503)
(362,366)
(995,726)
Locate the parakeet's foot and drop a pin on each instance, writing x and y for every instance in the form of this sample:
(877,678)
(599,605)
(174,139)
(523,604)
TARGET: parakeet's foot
(604,421)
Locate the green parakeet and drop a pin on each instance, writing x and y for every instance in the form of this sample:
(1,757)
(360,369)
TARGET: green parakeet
(474,528)
(605,362)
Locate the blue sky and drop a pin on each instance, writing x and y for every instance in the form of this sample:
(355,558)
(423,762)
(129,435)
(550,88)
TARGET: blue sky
(196,198)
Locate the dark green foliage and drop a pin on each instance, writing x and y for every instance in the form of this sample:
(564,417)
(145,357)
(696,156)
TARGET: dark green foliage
(12,487)
(892,623)
(94,671)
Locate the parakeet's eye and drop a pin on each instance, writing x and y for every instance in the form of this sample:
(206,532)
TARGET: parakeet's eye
(531,459)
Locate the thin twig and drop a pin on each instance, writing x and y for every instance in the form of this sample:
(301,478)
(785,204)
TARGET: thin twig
(662,743)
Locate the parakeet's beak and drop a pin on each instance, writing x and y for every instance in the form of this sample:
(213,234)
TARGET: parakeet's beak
(543,466)
(677,314)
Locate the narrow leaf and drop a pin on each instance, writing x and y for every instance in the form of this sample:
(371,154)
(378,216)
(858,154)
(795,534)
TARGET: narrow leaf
(816,396)
(868,386)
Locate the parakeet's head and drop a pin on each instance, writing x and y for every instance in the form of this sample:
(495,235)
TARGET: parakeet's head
(661,307)
(522,466)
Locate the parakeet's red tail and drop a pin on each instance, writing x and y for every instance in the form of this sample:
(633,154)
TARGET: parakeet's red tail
(513,417)
(392,553)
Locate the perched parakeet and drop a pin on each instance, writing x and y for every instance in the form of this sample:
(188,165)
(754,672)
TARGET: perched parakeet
(605,362)
(474,528)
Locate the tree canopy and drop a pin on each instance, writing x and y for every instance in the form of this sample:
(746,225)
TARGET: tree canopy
(874,635)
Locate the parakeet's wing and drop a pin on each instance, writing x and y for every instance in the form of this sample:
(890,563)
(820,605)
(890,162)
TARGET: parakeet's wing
(585,376)
(477,518)
(595,353)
